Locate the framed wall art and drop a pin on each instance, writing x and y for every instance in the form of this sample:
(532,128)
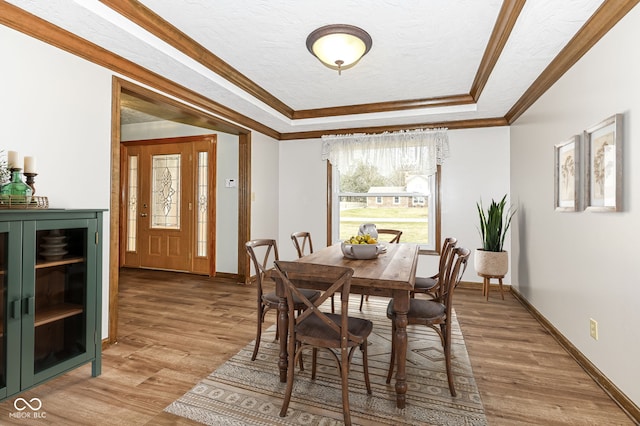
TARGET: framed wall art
(603,171)
(567,175)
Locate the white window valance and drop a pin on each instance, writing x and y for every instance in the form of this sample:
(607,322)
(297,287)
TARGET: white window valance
(421,150)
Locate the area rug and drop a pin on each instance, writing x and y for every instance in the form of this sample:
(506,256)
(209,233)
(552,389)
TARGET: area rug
(245,392)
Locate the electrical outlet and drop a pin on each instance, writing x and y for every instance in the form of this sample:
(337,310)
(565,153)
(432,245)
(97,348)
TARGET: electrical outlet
(593,328)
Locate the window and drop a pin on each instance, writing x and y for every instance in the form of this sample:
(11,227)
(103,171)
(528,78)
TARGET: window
(418,201)
(354,206)
(387,181)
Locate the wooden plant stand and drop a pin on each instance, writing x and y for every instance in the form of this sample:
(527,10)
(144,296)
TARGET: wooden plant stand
(486,284)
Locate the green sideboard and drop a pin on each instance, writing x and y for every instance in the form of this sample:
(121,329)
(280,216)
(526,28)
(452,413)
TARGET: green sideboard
(51,296)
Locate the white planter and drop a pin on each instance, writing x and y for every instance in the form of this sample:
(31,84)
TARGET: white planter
(494,263)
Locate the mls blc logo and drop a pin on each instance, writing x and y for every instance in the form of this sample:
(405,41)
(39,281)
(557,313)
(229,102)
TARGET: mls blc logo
(34,404)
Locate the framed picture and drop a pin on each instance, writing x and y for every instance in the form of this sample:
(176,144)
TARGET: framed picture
(603,171)
(567,175)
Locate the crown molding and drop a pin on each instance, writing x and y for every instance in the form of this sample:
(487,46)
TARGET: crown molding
(509,13)
(597,26)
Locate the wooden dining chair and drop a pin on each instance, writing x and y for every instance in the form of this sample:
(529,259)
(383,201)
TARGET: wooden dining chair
(263,252)
(302,243)
(429,285)
(304,246)
(395,234)
(315,329)
(436,313)
(395,238)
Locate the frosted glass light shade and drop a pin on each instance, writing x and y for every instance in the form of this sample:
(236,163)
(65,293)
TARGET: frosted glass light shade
(339,46)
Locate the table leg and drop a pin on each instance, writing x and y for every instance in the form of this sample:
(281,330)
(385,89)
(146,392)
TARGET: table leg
(283,334)
(401,307)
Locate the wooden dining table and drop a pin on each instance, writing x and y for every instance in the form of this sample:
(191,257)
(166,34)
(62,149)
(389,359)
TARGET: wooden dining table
(391,274)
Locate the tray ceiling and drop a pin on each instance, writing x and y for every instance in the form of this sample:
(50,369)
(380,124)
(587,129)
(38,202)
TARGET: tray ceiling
(431,62)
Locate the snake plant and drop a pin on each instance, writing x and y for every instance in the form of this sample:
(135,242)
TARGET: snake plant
(494,224)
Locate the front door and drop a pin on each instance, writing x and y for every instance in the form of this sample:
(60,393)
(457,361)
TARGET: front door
(166,188)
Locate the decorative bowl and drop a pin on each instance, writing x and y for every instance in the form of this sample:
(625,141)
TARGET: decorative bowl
(361,251)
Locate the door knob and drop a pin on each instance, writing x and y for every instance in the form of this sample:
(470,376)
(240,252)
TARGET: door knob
(143,215)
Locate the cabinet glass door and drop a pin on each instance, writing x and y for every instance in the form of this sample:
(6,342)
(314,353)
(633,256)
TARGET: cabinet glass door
(4,282)
(10,277)
(59,298)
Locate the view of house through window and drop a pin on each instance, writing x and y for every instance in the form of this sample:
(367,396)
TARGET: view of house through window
(401,199)
(388,179)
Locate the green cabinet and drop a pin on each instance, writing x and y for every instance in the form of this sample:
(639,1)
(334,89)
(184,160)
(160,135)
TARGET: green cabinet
(50,296)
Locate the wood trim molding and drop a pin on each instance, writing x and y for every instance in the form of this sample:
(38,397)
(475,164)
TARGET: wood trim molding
(147,19)
(509,13)
(384,106)
(462,124)
(329,203)
(244,205)
(608,15)
(628,406)
(116,216)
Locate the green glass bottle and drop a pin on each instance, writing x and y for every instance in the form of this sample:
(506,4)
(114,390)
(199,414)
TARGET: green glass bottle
(16,191)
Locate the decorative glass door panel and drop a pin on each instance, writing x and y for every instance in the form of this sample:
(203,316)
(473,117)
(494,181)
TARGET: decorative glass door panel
(132,203)
(165,187)
(202,210)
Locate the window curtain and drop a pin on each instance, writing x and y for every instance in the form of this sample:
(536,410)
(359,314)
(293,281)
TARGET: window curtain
(420,150)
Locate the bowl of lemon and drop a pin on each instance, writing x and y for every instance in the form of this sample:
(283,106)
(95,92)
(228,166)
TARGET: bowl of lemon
(361,247)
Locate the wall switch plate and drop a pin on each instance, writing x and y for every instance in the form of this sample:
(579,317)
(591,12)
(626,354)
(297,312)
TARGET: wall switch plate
(230,183)
(593,328)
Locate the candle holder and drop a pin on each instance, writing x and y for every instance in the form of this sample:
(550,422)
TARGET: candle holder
(16,190)
(31,181)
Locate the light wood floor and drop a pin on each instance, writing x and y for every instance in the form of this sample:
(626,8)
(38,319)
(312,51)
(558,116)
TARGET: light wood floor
(177,328)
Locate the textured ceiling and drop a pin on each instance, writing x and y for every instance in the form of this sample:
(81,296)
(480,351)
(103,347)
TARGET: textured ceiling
(421,50)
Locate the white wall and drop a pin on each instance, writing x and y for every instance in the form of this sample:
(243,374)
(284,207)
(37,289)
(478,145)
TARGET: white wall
(227,204)
(576,266)
(264,187)
(477,168)
(227,168)
(303,194)
(57,107)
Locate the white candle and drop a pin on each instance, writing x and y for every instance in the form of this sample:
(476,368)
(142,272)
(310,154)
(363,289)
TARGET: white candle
(13,160)
(29,164)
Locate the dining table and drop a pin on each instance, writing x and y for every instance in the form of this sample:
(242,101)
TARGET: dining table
(390,274)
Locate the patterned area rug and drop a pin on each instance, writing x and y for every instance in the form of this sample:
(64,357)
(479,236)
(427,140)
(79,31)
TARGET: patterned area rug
(245,392)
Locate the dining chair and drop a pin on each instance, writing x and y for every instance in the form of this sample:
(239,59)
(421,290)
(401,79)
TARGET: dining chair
(436,313)
(429,285)
(396,234)
(304,246)
(319,330)
(263,252)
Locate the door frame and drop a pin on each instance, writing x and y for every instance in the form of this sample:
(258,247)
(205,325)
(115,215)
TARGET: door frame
(197,265)
(187,115)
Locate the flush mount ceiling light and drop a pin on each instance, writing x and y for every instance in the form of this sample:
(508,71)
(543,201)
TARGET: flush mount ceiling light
(339,46)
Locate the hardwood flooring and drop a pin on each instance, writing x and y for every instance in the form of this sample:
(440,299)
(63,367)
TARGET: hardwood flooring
(174,329)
